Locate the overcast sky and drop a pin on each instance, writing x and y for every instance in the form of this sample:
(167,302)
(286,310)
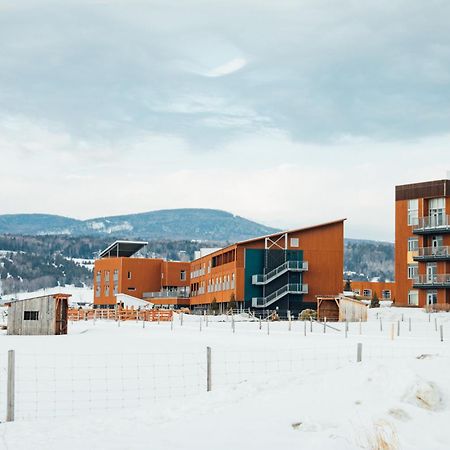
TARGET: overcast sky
(286,112)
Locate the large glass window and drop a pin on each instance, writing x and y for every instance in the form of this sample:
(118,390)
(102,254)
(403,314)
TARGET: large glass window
(413,212)
(413,244)
(413,298)
(436,211)
(413,271)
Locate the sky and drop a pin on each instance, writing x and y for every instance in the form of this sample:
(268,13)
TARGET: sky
(289,113)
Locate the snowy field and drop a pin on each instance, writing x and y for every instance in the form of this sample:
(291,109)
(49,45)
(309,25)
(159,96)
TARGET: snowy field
(134,387)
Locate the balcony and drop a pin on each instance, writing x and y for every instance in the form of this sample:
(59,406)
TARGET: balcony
(291,266)
(432,281)
(432,224)
(433,254)
(166,294)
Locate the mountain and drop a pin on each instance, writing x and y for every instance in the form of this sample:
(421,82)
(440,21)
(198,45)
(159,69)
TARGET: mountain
(175,224)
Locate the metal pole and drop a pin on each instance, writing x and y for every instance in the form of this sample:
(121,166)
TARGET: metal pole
(181,319)
(310,322)
(268,328)
(208,369)
(398,327)
(289,319)
(260,322)
(442,332)
(435,324)
(10,403)
(359,352)
(381,325)
(409,324)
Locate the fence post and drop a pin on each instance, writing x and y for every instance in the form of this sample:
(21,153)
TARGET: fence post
(409,324)
(181,319)
(171,322)
(268,327)
(289,319)
(260,322)
(435,324)
(381,325)
(324,324)
(304,322)
(442,332)
(398,327)
(208,369)
(360,325)
(10,403)
(359,352)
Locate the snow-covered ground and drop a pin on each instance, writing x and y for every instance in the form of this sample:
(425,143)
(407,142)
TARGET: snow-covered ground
(134,387)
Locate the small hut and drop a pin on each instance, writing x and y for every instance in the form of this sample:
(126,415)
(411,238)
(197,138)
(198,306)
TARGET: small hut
(341,308)
(46,315)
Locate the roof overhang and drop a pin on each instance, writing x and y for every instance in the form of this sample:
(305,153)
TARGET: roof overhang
(122,249)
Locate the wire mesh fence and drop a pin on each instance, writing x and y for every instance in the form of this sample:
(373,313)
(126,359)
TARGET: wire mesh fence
(57,384)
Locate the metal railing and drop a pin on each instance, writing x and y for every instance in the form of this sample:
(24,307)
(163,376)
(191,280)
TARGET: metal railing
(291,288)
(441,222)
(165,294)
(442,279)
(298,266)
(433,252)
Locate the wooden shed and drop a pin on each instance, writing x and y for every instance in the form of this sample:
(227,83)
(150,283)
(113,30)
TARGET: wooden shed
(46,315)
(341,308)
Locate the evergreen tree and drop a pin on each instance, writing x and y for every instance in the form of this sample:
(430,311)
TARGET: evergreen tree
(375,303)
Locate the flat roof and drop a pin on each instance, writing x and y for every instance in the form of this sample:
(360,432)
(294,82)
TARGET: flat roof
(123,249)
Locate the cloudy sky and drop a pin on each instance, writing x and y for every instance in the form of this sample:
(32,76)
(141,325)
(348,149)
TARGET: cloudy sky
(285,112)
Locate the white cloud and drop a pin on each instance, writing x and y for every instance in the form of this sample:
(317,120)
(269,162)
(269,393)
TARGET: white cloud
(225,69)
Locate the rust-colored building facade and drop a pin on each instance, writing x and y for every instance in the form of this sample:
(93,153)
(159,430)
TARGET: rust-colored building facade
(422,243)
(284,271)
(385,290)
(156,280)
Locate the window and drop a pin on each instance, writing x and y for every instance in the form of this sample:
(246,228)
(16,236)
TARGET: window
(413,298)
(386,294)
(413,244)
(357,291)
(131,288)
(129,275)
(367,293)
(99,274)
(413,271)
(107,290)
(294,242)
(116,274)
(31,315)
(97,291)
(183,275)
(106,275)
(116,289)
(413,212)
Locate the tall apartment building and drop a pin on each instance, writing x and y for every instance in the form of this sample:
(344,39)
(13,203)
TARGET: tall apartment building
(422,243)
(284,271)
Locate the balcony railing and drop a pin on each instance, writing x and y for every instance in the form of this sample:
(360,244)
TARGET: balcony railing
(432,253)
(438,280)
(291,288)
(166,294)
(432,223)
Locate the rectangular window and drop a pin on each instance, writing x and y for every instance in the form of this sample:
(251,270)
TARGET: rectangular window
(294,242)
(413,298)
(413,212)
(413,271)
(99,274)
(129,275)
(106,276)
(31,315)
(131,288)
(413,244)
(116,289)
(97,291)
(107,291)
(116,274)
(386,294)
(357,291)
(367,293)
(183,275)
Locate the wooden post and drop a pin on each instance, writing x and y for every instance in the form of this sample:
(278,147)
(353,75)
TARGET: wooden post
(181,319)
(304,327)
(442,332)
(409,324)
(398,327)
(260,322)
(359,352)
(360,325)
(435,324)
(392,331)
(324,324)
(289,319)
(10,402)
(208,369)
